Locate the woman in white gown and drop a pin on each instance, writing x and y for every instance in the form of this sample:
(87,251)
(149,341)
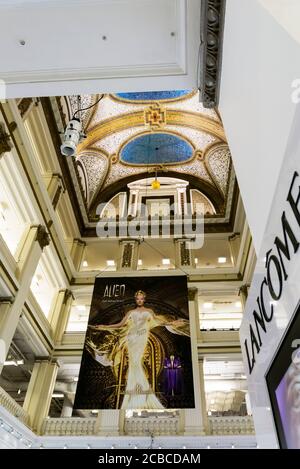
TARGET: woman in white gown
(133,333)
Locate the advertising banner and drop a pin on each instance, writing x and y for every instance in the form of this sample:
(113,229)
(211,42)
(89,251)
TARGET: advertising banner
(137,351)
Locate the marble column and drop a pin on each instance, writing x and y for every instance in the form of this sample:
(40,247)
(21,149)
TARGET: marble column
(60,313)
(203,395)
(28,257)
(55,187)
(67,408)
(77,252)
(234,246)
(194,421)
(39,393)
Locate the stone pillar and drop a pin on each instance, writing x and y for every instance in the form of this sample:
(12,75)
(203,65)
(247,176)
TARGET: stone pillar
(193,298)
(194,418)
(129,254)
(39,392)
(183,254)
(77,252)
(108,422)
(203,395)
(55,187)
(234,246)
(28,257)
(60,313)
(67,409)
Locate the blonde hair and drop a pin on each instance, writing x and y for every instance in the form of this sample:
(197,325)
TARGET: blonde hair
(140,292)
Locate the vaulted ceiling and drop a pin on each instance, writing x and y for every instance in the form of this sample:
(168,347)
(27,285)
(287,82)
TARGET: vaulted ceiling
(131,136)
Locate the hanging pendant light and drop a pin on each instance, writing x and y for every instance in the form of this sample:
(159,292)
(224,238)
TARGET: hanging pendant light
(155,184)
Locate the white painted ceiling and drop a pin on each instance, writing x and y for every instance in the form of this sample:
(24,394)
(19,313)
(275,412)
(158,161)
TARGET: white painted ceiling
(91,46)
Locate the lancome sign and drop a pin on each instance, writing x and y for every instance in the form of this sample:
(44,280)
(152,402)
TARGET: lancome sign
(285,246)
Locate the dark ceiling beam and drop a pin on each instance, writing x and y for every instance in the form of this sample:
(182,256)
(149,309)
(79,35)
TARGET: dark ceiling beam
(211,30)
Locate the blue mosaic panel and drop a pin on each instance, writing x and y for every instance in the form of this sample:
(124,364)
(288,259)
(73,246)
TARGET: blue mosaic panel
(153,95)
(158,148)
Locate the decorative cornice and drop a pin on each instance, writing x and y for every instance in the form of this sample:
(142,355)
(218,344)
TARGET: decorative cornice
(243,291)
(127,255)
(7,300)
(5,143)
(211,27)
(51,360)
(42,237)
(192,292)
(24,105)
(79,241)
(68,295)
(234,236)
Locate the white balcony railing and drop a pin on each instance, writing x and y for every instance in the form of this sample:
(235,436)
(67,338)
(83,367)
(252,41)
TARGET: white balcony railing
(231,425)
(139,426)
(75,426)
(13,407)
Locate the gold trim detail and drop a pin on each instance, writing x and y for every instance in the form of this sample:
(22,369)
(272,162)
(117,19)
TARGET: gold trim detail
(155,116)
(137,119)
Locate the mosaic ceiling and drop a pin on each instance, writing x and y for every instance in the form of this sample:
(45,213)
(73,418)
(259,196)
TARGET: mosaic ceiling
(134,135)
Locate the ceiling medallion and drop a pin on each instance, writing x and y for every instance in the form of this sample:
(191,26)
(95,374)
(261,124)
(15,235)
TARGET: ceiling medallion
(155,116)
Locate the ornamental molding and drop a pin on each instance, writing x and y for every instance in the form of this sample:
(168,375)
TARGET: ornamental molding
(42,236)
(5,142)
(212,31)
(155,116)
(24,105)
(175,117)
(127,255)
(192,293)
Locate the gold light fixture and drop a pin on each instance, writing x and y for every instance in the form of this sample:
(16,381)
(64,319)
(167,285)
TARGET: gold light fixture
(155,184)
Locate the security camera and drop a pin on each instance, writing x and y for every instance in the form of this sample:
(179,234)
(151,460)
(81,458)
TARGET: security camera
(72,136)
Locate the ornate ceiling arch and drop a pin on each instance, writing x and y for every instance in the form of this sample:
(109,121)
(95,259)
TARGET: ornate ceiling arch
(212,194)
(153,118)
(134,135)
